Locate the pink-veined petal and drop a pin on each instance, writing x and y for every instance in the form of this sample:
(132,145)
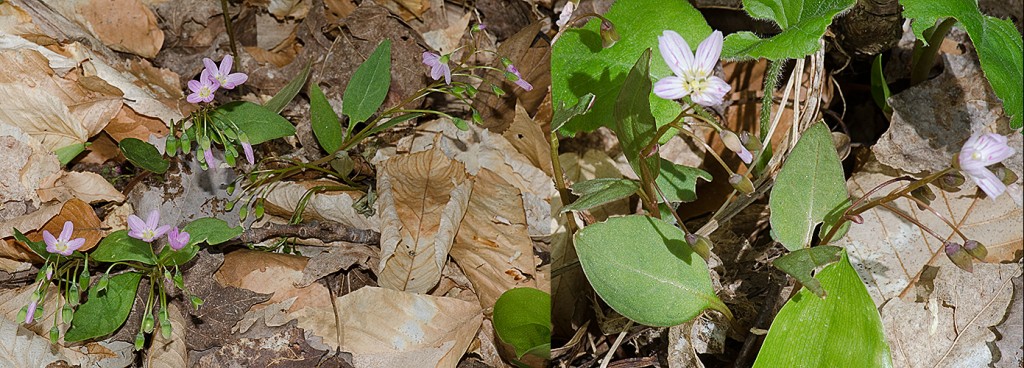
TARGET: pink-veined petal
(208,79)
(210,66)
(436,72)
(65,233)
(135,223)
(431,59)
(49,240)
(522,83)
(713,92)
(194,85)
(988,182)
(247,149)
(153,219)
(447,73)
(74,244)
(234,79)
(676,52)
(160,231)
(137,234)
(226,63)
(194,98)
(708,52)
(670,88)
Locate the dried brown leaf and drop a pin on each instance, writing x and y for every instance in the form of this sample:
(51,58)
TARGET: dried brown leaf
(85,186)
(528,137)
(334,206)
(1011,330)
(123,25)
(406,9)
(169,352)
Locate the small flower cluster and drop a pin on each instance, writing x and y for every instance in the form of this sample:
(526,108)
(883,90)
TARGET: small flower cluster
(212,78)
(439,68)
(151,230)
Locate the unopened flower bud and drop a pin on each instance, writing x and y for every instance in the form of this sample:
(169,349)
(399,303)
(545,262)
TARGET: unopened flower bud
(924,194)
(505,62)
(608,34)
(650,151)
(741,183)
(959,256)
(147,323)
(750,142)
(732,142)
(951,182)
(140,341)
(700,245)
(1004,174)
(976,249)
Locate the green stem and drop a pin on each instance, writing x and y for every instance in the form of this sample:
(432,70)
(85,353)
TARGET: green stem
(924,56)
(771,79)
(229,28)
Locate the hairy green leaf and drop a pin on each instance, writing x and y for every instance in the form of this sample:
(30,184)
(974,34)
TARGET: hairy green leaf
(803,22)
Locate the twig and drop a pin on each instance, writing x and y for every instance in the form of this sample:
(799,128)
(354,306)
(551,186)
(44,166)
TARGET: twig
(328,231)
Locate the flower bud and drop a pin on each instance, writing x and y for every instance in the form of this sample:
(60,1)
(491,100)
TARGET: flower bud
(54,334)
(951,182)
(733,143)
(140,341)
(741,183)
(147,323)
(752,144)
(976,249)
(700,245)
(608,34)
(1004,174)
(857,219)
(924,194)
(959,256)
(67,313)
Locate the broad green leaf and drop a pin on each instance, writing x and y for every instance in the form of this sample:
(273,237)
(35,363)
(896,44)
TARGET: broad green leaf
(879,87)
(286,94)
(106,310)
(634,124)
(803,22)
(599,191)
(678,182)
(326,124)
(143,155)
(802,262)
(522,318)
(68,153)
(643,268)
(809,187)
(211,230)
(170,257)
(999,46)
(563,114)
(119,247)
(369,86)
(257,122)
(841,330)
(579,65)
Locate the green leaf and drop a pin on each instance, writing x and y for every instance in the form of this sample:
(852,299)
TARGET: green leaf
(38,247)
(211,230)
(105,311)
(879,87)
(522,318)
(326,124)
(678,182)
(68,153)
(369,86)
(643,268)
(579,65)
(634,124)
(801,262)
(286,94)
(599,191)
(143,155)
(999,46)
(119,247)
(809,187)
(257,122)
(803,22)
(170,257)
(842,330)
(563,114)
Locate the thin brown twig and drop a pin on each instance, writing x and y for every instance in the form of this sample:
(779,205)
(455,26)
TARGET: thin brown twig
(327,231)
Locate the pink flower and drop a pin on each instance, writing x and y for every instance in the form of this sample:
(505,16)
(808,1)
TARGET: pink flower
(732,142)
(208,157)
(202,89)
(222,75)
(692,73)
(247,149)
(178,239)
(63,245)
(518,78)
(30,314)
(438,66)
(983,150)
(146,231)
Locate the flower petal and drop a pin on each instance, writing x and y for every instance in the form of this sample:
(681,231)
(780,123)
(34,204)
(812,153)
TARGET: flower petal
(708,52)
(194,98)
(247,149)
(137,234)
(713,92)
(234,79)
(676,52)
(49,240)
(447,73)
(210,66)
(135,223)
(153,219)
(74,244)
(160,231)
(988,182)
(65,233)
(430,59)
(671,88)
(226,63)
(194,85)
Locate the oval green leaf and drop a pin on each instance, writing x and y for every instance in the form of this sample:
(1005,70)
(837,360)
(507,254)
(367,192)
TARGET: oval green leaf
(599,191)
(643,268)
(326,124)
(211,230)
(119,247)
(522,318)
(368,86)
(679,182)
(106,310)
(257,122)
(809,187)
(143,155)
(841,330)
(803,22)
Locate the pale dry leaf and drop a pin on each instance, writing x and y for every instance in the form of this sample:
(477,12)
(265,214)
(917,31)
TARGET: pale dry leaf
(271,33)
(130,124)
(86,186)
(1011,330)
(30,221)
(423,197)
(12,300)
(526,135)
(293,9)
(445,40)
(951,327)
(123,25)
(406,9)
(16,21)
(333,206)
(592,165)
(890,252)
(11,266)
(169,352)
(20,347)
(29,166)
(337,257)
(59,63)
(389,328)
(44,117)
(492,246)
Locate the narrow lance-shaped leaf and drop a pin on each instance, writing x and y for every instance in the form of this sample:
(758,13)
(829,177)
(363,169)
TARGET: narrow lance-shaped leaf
(326,124)
(286,94)
(809,187)
(368,86)
(634,124)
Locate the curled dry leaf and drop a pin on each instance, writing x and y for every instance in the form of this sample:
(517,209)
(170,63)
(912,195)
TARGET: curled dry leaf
(335,206)
(406,9)
(15,250)
(22,348)
(447,39)
(11,301)
(390,328)
(86,186)
(169,352)
(294,9)
(492,246)
(32,163)
(952,326)
(423,198)
(1011,330)
(527,136)
(123,25)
